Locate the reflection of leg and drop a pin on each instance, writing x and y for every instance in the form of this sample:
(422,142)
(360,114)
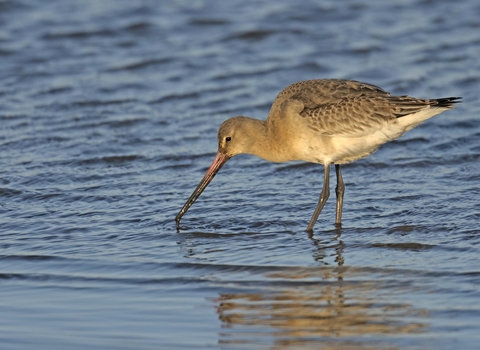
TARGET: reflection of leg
(339,190)
(323,197)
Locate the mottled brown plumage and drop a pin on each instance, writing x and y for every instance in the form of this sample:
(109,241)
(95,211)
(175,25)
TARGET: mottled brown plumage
(322,121)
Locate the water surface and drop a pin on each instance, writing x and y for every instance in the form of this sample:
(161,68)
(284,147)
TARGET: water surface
(108,119)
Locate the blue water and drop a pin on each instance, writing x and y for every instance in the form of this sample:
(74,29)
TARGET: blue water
(108,119)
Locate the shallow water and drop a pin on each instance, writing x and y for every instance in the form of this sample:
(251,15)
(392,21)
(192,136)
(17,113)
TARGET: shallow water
(109,112)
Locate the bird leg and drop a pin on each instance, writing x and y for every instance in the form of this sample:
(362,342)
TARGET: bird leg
(339,190)
(323,197)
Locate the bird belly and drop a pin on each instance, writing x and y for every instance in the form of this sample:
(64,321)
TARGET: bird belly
(315,149)
(349,149)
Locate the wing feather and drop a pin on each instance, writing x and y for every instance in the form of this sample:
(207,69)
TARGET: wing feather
(347,107)
(350,116)
(326,91)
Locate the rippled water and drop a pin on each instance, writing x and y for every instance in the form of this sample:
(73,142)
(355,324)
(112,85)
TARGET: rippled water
(108,119)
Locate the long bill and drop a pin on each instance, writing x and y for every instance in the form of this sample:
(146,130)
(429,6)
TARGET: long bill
(217,163)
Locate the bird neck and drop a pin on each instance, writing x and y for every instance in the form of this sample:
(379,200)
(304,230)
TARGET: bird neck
(262,141)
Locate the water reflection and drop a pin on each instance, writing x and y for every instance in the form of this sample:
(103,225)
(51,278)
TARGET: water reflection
(339,306)
(331,243)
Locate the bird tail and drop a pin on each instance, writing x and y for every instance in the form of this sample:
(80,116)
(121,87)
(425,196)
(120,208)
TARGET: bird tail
(445,102)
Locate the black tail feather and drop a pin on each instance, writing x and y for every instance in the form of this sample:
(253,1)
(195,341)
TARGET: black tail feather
(446,102)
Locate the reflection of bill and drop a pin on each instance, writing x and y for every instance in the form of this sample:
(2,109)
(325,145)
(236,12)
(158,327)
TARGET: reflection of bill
(302,305)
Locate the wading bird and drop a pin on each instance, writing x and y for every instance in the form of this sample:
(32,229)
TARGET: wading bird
(325,121)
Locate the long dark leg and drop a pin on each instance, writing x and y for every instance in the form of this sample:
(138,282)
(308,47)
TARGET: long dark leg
(339,190)
(323,198)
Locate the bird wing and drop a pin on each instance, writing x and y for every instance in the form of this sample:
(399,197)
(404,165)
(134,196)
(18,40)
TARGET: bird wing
(326,91)
(344,107)
(352,116)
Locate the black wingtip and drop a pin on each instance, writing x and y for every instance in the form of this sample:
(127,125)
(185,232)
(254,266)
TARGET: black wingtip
(448,102)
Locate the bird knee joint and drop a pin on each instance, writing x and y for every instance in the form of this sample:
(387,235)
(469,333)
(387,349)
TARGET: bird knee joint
(339,190)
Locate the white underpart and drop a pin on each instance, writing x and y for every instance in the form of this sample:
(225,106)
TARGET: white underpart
(342,150)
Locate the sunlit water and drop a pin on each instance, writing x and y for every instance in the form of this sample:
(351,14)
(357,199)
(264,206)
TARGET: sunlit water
(108,120)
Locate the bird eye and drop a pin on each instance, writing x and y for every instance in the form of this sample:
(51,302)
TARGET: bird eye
(228,139)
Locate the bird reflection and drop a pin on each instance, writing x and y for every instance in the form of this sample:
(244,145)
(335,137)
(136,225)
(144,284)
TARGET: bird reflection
(301,306)
(322,247)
